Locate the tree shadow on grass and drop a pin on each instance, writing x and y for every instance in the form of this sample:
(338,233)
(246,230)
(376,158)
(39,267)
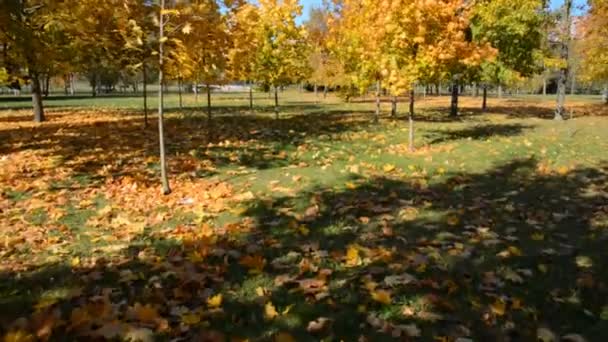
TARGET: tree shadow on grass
(478,132)
(493,255)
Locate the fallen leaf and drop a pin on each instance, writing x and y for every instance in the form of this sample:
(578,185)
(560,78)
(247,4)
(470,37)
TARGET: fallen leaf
(215,301)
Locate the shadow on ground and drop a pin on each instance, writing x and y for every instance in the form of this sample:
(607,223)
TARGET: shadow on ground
(492,256)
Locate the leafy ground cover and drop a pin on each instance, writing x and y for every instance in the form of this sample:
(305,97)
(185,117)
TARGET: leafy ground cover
(318,226)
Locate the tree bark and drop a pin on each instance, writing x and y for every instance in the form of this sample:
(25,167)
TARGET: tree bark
(94,85)
(393,106)
(209,102)
(560,110)
(72,87)
(573,83)
(251,97)
(325,92)
(47,84)
(454,103)
(166,189)
(378,90)
(484,104)
(145,89)
(544,85)
(605,94)
(316,90)
(411,121)
(37,98)
(66,84)
(499,89)
(179,92)
(276,102)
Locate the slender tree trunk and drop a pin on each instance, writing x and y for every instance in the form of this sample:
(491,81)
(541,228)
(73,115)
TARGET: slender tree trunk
(454,104)
(499,90)
(393,106)
(37,98)
(209,102)
(145,89)
(72,87)
(544,85)
(276,102)
(378,91)
(438,89)
(573,83)
(66,84)
(560,111)
(179,92)
(161,129)
(251,97)
(316,90)
(94,85)
(47,81)
(605,94)
(411,120)
(484,104)
(325,92)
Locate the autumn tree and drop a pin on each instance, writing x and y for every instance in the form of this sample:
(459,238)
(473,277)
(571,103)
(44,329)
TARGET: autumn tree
(243,22)
(205,46)
(515,29)
(594,45)
(565,36)
(27,29)
(281,56)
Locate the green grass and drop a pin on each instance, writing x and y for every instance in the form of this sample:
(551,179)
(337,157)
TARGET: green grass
(495,227)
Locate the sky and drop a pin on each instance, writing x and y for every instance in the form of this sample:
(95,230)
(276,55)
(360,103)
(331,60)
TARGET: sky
(308,4)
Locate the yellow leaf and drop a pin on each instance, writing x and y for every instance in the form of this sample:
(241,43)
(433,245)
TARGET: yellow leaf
(18,336)
(191,318)
(284,337)
(215,301)
(498,307)
(381,296)
(388,167)
(352,256)
(145,313)
(260,291)
(270,312)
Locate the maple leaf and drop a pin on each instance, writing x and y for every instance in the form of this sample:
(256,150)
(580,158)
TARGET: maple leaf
(352,256)
(381,296)
(270,312)
(215,301)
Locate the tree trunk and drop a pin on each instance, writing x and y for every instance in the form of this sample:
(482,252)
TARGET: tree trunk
(72,87)
(438,89)
(161,129)
(37,98)
(325,92)
(47,81)
(94,86)
(605,94)
(378,90)
(179,92)
(393,106)
(573,83)
(454,104)
(145,89)
(276,102)
(316,90)
(499,90)
(251,98)
(66,84)
(560,111)
(209,102)
(411,120)
(484,104)
(544,85)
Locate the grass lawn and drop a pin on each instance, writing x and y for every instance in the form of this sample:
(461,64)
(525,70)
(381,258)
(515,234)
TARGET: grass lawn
(317,226)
